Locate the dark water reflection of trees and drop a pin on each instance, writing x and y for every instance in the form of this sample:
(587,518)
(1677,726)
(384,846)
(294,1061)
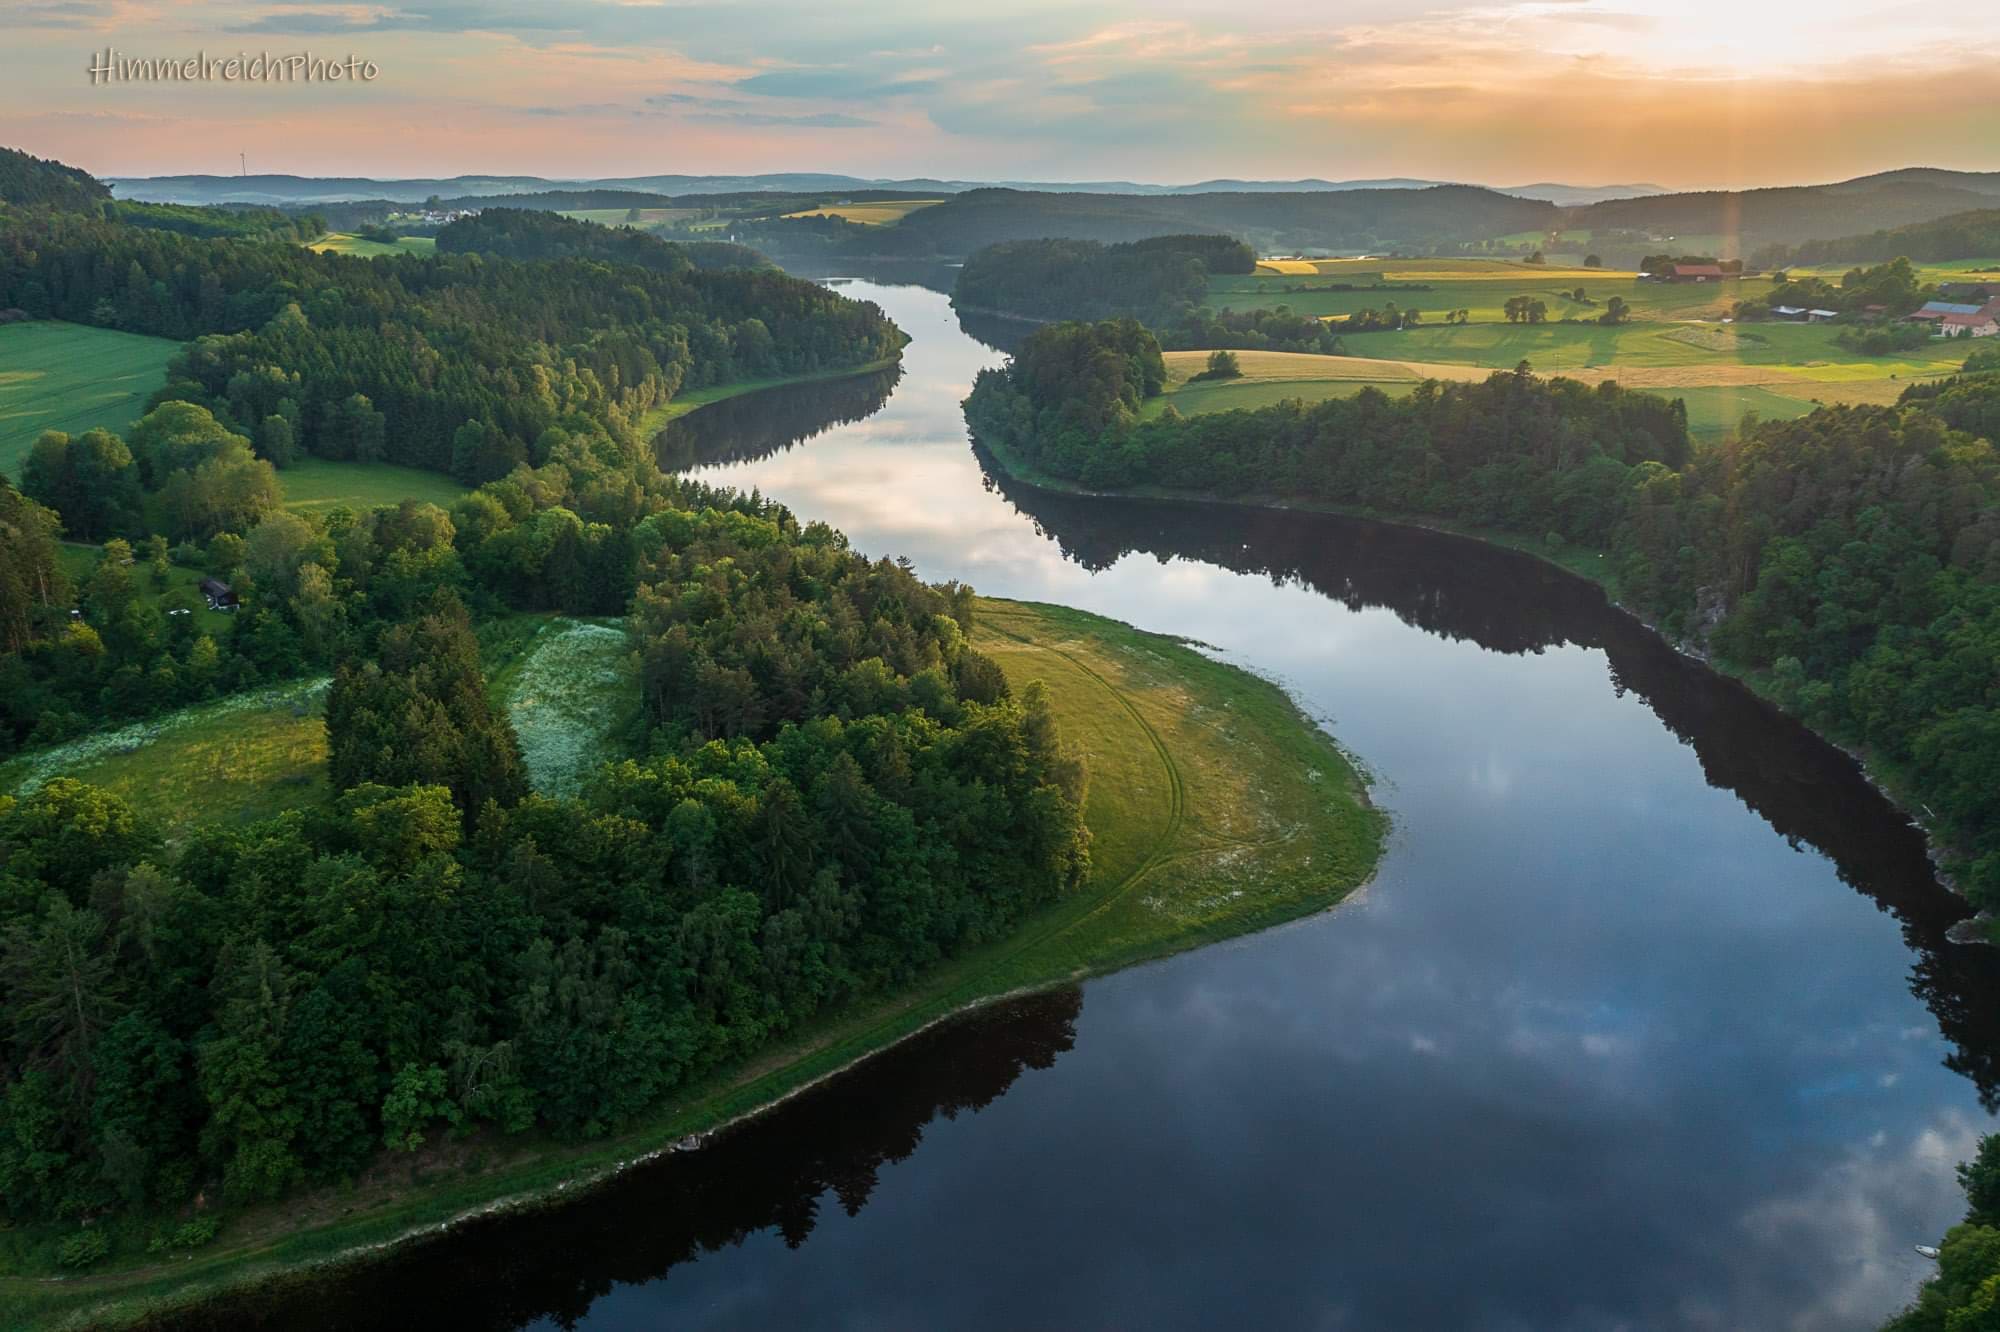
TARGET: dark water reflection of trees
(772,1173)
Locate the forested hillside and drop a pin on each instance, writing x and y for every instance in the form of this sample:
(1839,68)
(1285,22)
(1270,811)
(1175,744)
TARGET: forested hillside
(1850,559)
(1974,234)
(452,363)
(1155,279)
(515,233)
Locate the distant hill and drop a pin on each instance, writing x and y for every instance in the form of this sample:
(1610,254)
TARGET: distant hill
(25,179)
(1273,222)
(1750,219)
(285,189)
(1569,196)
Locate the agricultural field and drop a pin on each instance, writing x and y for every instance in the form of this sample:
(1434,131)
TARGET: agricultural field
(314,485)
(1269,377)
(1480,286)
(236,760)
(56,376)
(1801,358)
(622,217)
(1716,402)
(572,693)
(879,213)
(341,242)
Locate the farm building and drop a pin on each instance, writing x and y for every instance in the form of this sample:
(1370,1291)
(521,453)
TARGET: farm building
(221,597)
(1935,311)
(1821,316)
(1693,273)
(1976,325)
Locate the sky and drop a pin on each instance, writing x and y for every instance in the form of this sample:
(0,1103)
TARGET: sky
(1681,93)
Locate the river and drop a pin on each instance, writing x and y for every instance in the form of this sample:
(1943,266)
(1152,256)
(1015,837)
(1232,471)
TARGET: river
(1648,1020)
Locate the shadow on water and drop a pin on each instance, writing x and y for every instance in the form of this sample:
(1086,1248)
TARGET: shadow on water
(770,1173)
(1807,789)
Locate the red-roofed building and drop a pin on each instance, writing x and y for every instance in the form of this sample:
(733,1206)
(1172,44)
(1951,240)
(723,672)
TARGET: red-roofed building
(1695,273)
(1981,325)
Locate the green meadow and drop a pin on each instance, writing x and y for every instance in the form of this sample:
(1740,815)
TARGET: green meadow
(68,377)
(314,485)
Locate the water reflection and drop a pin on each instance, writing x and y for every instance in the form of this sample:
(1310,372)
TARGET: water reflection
(757,425)
(773,1175)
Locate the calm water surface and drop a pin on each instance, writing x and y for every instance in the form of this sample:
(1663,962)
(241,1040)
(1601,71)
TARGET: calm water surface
(1647,1022)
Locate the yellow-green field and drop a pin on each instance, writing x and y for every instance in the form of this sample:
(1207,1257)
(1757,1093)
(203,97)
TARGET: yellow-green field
(1717,392)
(1801,359)
(1214,808)
(879,213)
(341,242)
(314,485)
(1480,286)
(56,376)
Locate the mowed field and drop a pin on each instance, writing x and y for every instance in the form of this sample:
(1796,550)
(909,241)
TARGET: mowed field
(56,376)
(879,213)
(315,485)
(341,242)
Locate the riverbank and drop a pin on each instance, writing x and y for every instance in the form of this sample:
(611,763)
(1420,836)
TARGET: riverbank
(1588,564)
(1215,808)
(658,418)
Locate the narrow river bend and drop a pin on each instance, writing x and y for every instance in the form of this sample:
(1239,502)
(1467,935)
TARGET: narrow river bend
(1647,1022)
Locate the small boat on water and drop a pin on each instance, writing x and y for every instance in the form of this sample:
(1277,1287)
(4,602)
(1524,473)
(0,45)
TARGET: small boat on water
(1927,1251)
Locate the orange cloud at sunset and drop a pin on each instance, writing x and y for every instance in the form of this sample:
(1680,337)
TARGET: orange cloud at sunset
(1689,95)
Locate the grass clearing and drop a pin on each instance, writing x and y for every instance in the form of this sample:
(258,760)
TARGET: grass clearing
(342,242)
(877,213)
(572,695)
(73,378)
(315,485)
(1215,808)
(237,760)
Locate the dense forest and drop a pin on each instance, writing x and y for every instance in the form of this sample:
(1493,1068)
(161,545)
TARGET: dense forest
(1850,559)
(1156,279)
(457,363)
(246,1010)
(516,233)
(834,789)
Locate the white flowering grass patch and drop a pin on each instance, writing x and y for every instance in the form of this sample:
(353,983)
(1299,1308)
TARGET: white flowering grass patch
(240,758)
(575,690)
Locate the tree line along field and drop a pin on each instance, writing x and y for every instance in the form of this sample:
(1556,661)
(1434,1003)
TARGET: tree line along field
(68,377)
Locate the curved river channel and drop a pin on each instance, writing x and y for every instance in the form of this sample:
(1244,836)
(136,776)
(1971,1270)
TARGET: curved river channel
(1648,1021)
